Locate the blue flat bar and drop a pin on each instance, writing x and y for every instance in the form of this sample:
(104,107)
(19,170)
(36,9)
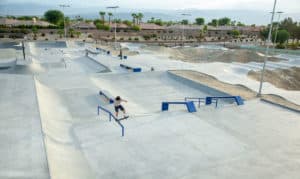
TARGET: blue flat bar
(111,115)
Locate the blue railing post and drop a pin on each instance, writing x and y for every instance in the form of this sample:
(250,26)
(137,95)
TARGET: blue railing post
(112,116)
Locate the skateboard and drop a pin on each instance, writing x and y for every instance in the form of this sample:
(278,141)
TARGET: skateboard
(123,118)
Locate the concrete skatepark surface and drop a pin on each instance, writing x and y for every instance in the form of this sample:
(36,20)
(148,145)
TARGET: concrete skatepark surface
(55,113)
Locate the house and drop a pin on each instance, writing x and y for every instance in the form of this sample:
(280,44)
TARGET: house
(15,23)
(83,25)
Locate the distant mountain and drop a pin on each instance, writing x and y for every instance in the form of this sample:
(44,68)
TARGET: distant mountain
(245,16)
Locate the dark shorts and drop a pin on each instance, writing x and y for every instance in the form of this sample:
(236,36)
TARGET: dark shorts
(119,107)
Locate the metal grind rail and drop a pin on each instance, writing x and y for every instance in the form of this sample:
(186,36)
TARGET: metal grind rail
(112,116)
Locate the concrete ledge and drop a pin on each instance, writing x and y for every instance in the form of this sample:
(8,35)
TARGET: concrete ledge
(106,68)
(280,105)
(197,85)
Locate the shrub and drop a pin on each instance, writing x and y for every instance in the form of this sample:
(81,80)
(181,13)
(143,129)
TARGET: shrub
(146,37)
(293,46)
(280,46)
(129,38)
(136,39)
(102,27)
(136,28)
(43,34)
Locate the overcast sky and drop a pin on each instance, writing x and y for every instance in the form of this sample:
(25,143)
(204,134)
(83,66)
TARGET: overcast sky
(289,6)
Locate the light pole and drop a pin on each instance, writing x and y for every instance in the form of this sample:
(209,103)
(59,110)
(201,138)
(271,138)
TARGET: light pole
(183,26)
(275,39)
(267,51)
(64,6)
(114,7)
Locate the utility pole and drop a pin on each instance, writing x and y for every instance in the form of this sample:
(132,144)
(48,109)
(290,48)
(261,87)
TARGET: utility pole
(267,51)
(183,27)
(114,7)
(64,6)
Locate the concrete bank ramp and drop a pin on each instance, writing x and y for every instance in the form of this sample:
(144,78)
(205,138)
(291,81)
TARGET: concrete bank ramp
(22,150)
(64,155)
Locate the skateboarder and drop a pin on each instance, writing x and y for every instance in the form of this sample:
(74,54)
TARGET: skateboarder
(118,106)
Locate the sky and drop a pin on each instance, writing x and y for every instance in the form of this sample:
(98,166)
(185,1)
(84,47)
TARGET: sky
(246,11)
(289,6)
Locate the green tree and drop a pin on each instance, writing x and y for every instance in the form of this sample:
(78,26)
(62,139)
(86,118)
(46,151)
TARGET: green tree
(235,33)
(289,25)
(60,32)
(159,22)
(264,33)
(27,17)
(34,31)
(71,32)
(224,21)
(152,20)
(200,21)
(136,28)
(282,36)
(134,17)
(140,16)
(127,22)
(101,26)
(185,22)
(233,23)
(205,29)
(214,22)
(77,33)
(54,16)
(240,24)
(109,17)
(102,14)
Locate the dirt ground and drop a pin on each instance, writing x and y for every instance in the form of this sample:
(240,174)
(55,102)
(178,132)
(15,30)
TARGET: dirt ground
(213,82)
(288,79)
(234,90)
(199,55)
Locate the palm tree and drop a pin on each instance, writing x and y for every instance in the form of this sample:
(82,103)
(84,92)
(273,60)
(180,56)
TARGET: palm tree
(34,31)
(78,33)
(140,17)
(109,16)
(60,33)
(134,16)
(102,14)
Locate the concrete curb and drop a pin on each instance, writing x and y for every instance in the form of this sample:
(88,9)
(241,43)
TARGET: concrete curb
(279,105)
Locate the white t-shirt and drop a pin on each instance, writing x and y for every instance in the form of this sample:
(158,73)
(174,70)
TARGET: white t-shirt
(117,102)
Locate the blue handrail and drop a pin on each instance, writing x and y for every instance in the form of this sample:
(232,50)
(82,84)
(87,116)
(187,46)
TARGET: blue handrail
(111,115)
(199,100)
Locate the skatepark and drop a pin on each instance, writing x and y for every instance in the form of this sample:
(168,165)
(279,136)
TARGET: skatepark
(51,125)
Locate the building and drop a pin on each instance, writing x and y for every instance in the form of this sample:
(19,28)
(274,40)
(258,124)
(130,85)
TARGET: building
(15,23)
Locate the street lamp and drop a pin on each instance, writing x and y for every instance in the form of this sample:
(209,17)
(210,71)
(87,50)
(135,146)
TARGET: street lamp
(183,27)
(64,6)
(267,51)
(275,39)
(114,7)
